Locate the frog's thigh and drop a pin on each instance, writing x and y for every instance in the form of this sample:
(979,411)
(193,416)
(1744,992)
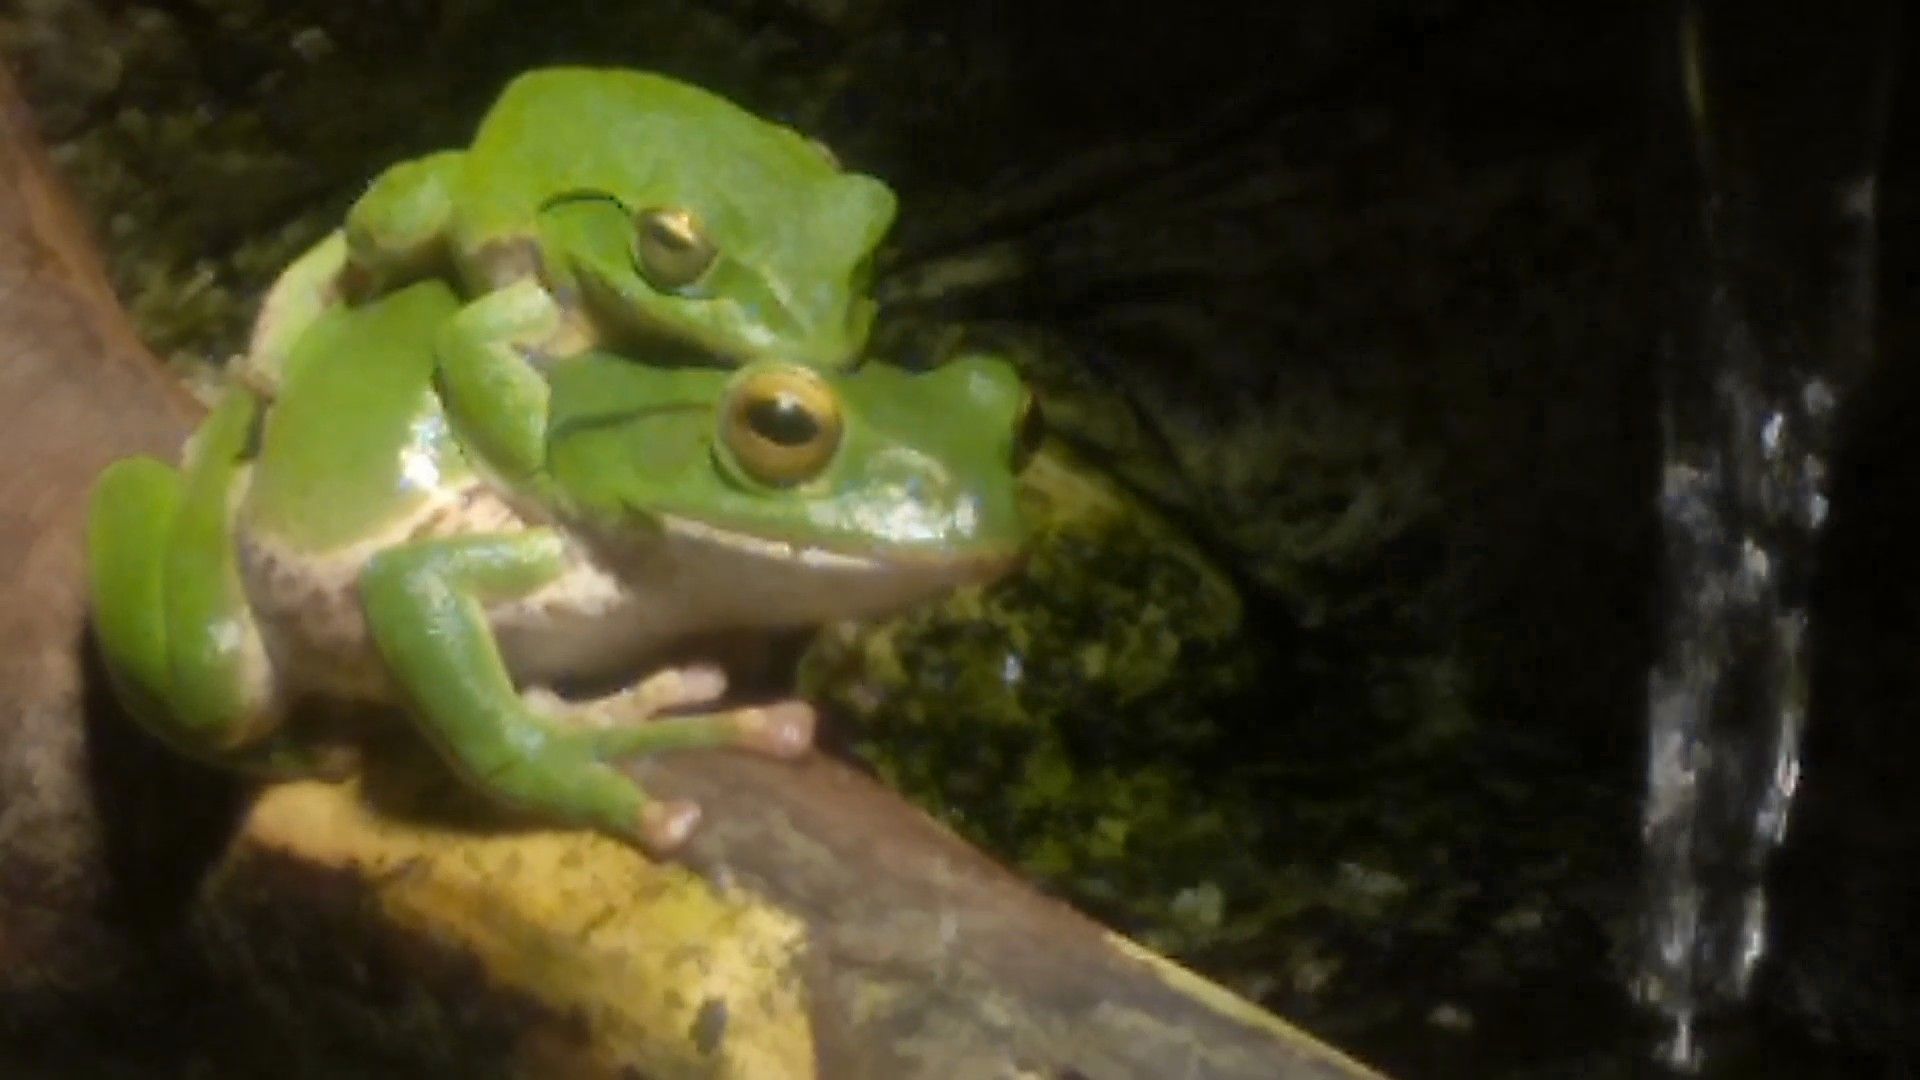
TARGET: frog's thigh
(497,398)
(170,611)
(425,609)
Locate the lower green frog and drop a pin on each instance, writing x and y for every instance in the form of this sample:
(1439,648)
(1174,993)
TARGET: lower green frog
(339,541)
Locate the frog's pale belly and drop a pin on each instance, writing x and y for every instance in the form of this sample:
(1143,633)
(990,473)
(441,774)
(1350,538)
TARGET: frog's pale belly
(307,605)
(613,605)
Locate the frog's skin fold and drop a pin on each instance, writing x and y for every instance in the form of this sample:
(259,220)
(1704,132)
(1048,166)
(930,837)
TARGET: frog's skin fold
(343,539)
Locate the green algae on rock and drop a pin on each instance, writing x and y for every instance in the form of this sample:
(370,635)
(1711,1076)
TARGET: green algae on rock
(1073,719)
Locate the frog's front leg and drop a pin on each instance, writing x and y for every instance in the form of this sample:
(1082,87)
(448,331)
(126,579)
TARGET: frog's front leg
(488,359)
(394,234)
(426,604)
(398,230)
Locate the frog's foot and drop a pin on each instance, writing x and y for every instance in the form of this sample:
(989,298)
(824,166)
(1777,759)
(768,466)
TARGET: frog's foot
(781,729)
(627,725)
(665,824)
(632,720)
(664,691)
(425,610)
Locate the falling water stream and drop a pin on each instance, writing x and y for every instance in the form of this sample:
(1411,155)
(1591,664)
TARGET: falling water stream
(1750,397)
(1727,700)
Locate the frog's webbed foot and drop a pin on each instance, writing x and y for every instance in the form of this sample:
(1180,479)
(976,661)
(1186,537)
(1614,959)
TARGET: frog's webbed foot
(641,719)
(782,729)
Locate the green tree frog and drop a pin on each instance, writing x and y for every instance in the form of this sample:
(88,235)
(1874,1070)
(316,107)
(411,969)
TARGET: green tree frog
(693,232)
(338,541)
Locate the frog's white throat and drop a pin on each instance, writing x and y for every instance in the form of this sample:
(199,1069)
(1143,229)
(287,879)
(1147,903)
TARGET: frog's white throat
(730,579)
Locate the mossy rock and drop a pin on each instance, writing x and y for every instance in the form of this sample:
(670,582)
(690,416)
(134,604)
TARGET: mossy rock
(1064,717)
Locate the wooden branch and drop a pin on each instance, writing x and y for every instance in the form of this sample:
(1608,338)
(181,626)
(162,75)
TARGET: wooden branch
(76,390)
(818,926)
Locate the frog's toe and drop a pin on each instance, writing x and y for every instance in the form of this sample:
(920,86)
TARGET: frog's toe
(665,691)
(665,824)
(783,729)
(695,684)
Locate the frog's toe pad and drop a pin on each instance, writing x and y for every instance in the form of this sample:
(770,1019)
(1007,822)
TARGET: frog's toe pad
(665,824)
(696,684)
(666,691)
(783,729)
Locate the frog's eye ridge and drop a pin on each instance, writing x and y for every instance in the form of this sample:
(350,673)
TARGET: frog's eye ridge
(782,425)
(672,248)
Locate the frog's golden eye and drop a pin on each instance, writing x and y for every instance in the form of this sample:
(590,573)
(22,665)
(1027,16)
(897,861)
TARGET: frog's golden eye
(782,425)
(672,248)
(1029,431)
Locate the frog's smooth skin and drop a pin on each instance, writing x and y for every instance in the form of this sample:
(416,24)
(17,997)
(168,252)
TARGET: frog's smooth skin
(601,208)
(339,542)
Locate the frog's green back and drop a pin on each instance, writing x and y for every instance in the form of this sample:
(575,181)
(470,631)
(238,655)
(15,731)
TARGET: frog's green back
(356,436)
(764,192)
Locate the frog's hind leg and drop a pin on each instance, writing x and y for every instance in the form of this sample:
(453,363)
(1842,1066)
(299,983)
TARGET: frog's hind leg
(169,609)
(134,506)
(425,605)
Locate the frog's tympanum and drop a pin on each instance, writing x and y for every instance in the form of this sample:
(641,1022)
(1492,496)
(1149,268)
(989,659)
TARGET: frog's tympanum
(424,510)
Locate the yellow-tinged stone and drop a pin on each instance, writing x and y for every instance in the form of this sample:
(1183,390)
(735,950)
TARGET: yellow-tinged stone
(669,977)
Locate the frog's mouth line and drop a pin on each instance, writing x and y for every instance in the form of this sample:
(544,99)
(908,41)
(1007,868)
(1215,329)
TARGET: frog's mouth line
(960,567)
(772,550)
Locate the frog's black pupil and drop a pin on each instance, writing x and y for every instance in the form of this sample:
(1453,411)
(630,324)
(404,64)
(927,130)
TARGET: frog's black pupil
(666,236)
(781,418)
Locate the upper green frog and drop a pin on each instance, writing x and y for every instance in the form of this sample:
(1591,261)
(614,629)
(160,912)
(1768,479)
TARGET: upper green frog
(715,237)
(341,539)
